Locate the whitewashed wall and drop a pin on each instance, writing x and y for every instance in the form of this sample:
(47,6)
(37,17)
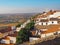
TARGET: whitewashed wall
(50,22)
(39,33)
(13,40)
(44,18)
(51,16)
(44,23)
(36,24)
(13,27)
(40,23)
(43,35)
(49,34)
(18,29)
(5,41)
(33,39)
(58,32)
(54,22)
(56,14)
(46,35)
(43,29)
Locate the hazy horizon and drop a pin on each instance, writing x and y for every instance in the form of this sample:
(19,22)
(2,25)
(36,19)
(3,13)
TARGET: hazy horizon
(28,6)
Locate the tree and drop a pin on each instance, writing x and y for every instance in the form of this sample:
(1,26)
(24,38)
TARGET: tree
(24,34)
(19,40)
(30,25)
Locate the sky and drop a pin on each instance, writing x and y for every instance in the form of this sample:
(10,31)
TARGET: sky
(28,6)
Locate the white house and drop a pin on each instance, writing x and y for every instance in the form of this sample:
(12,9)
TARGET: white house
(58,32)
(47,21)
(48,26)
(56,14)
(9,40)
(43,22)
(47,35)
(43,29)
(13,27)
(53,21)
(43,35)
(33,39)
(18,29)
(51,16)
(12,40)
(4,41)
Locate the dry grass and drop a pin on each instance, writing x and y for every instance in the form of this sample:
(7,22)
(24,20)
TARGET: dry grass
(10,24)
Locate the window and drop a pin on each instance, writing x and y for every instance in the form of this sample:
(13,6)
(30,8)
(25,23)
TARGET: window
(52,22)
(11,41)
(55,33)
(46,23)
(42,23)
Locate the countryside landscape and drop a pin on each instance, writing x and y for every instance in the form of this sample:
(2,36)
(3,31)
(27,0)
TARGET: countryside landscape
(29,22)
(14,19)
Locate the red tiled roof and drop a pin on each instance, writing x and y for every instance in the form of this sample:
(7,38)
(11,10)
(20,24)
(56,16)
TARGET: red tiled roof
(51,28)
(54,19)
(14,35)
(33,32)
(44,20)
(6,38)
(5,30)
(45,15)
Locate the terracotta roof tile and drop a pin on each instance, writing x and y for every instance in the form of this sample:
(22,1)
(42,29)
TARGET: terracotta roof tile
(6,38)
(33,32)
(54,19)
(52,28)
(5,30)
(44,20)
(45,15)
(14,35)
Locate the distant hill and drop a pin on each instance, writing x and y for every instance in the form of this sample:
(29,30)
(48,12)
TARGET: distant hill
(9,18)
(18,14)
